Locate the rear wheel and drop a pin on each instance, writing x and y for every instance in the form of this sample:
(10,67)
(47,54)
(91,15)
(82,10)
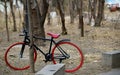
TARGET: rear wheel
(13,59)
(75,60)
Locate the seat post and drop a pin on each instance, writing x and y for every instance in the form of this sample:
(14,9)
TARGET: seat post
(50,44)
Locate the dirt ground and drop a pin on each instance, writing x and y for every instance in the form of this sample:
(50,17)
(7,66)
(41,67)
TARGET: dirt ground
(95,41)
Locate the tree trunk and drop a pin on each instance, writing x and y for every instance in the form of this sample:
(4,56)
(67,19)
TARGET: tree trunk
(43,12)
(36,22)
(13,15)
(49,11)
(20,15)
(72,10)
(35,18)
(89,12)
(6,20)
(80,11)
(92,10)
(30,23)
(100,13)
(48,18)
(62,15)
(38,16)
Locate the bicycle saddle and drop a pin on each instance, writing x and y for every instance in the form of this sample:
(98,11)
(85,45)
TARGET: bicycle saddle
(53,35)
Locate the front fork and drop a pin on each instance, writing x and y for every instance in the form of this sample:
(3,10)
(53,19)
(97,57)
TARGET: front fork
(26,42)
(22,50)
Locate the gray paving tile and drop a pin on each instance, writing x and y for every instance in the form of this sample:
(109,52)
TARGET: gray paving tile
(112,72)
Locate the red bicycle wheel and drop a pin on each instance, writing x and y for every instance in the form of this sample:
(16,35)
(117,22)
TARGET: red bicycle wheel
(12,56)
(74,62)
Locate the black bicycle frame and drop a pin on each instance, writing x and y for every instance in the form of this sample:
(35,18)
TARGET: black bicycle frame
(65,55)
(50,46)
(27,41)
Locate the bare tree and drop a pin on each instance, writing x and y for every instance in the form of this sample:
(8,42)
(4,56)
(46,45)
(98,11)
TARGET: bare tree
(80,12)
(92,11)
(59,8)
(30,23)
(13,15)
(39,11)
(48,14)
(100,13)
(38,29)
(49,18)
(36,24)
(72,10)
(6,20)
(20,15)
(43,6)
(25,12)
(62,15)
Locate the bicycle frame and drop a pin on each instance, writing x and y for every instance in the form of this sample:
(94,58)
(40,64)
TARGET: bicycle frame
(47,55)
(50,46)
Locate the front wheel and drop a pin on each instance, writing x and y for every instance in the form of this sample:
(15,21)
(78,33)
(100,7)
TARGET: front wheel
(75,56)
(13,58)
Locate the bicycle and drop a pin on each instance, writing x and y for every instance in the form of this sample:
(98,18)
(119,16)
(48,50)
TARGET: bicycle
(62,51)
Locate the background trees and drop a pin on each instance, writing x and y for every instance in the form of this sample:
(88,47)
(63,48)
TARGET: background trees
(35,21)
(13,15)
(100,14)
(76,7)
(6,20)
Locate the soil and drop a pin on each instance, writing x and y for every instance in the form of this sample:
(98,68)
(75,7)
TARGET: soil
(96,41)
